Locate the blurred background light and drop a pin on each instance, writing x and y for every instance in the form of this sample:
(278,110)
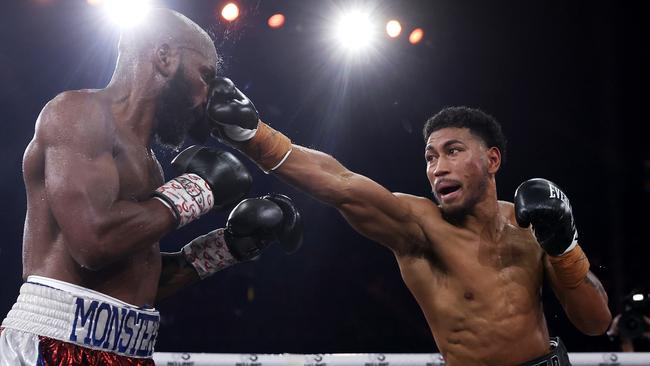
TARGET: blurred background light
(276,20)
(416,36)
(126,13)
(393,28)
(230,12)
(354,30)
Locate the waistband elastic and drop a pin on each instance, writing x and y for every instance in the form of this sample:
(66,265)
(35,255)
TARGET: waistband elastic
(73,314)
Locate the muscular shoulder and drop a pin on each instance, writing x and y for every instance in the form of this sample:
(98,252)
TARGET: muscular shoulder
(422,209)
(76,118)
(429,219)
(416,203)
(507,209)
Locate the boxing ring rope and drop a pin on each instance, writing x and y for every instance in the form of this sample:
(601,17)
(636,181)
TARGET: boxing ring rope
(367,359)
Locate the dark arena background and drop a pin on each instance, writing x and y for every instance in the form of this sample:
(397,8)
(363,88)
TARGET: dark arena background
(566,79)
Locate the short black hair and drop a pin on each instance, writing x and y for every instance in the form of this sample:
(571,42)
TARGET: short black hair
(478,122)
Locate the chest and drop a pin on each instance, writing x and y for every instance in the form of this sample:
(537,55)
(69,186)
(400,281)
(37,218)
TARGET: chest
(138,170)
(477,264)
(464,274)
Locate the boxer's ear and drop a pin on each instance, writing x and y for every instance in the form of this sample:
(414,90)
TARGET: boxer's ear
(494,159)
(166,60)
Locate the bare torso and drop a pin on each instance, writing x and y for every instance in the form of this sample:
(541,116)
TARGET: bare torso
(133,279)
(481,297)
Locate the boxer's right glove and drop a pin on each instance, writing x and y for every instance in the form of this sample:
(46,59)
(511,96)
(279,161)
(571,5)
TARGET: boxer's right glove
(252,226)
(257,222)
(235,121)
(209,178)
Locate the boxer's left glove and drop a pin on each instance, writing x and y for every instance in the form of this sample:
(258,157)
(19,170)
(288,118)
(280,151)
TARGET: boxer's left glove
(541,203)
(209,178)
(233,116)
(253,225)
(235,121)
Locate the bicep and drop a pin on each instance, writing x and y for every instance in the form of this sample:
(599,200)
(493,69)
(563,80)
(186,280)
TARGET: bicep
(380,215)
(78,186)
(81,179)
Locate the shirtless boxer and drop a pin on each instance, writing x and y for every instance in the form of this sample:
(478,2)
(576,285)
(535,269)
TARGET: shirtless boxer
(97,205)
(473,263)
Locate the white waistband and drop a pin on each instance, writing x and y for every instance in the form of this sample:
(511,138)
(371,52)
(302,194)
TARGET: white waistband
(80,291)
(73,314)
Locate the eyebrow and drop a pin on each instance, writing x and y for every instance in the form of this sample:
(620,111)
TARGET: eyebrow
(445,145)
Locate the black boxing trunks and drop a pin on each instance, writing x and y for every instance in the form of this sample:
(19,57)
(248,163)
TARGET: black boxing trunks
(557,357)
(58,323)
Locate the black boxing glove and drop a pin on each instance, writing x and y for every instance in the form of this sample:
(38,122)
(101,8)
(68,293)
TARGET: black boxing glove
(235,121)
(232,115)
(289,234)
(541,203)
(209,178)
(255,223)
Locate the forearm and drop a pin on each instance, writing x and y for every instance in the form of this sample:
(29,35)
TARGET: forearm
(586,305)
(317,174)
(369,207)
(124,228)
(176,273)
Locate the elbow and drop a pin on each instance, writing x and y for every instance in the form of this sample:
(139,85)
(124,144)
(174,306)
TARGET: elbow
(90,256)
(89,251)
(597,324)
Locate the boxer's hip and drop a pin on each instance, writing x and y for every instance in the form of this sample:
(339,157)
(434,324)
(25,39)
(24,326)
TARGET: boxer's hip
(557,357)
(59,311)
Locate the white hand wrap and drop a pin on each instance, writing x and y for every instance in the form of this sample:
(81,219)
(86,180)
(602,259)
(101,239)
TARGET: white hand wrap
(237,133)
(188,196)
(209,253)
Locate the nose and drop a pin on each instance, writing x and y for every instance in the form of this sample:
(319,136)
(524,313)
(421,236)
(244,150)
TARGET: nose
(441,168)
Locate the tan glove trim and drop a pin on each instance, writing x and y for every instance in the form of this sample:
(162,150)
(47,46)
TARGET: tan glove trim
(571,268)
(268,148)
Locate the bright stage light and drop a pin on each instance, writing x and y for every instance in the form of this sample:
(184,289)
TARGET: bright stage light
(127,13)
(416,36)
(276,20)
(393,28)
(230,12)
(354,30)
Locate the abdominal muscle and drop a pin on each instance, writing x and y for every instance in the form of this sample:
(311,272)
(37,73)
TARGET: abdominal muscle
(484,317)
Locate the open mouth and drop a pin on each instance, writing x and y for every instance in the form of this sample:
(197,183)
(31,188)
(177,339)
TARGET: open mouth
(448,190)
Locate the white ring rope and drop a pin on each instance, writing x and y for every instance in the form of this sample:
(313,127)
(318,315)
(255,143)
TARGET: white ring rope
(367,359)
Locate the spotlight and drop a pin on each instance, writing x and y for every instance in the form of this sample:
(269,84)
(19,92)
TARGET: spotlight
(416,36)
(127,13)
(354,30)
(393,28)
(230,12)
(276,21)
(94,2)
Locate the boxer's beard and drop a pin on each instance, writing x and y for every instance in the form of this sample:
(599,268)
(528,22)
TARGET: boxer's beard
(457,215)
(174,112)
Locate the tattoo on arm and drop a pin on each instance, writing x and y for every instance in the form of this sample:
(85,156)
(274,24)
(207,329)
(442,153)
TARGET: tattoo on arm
(592,281)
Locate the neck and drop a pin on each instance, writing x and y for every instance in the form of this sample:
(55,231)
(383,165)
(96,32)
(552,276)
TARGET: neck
(484,218)
(133,101)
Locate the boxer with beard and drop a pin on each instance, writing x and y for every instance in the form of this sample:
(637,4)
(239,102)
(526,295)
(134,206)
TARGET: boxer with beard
(97,205)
